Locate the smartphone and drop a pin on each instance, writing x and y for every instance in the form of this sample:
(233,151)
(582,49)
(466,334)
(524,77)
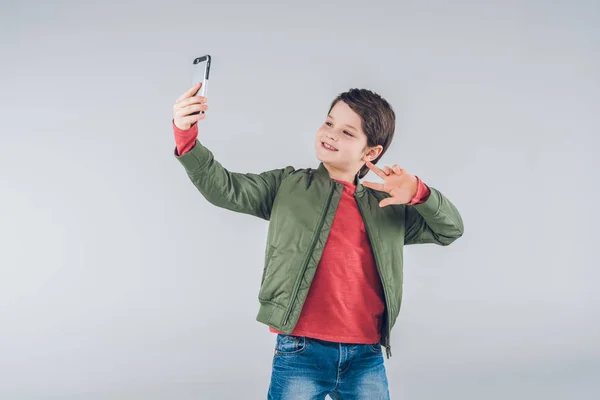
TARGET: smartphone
(200,72)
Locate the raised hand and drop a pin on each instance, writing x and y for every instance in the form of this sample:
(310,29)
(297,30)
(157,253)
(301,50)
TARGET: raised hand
(187,104)
(399,184)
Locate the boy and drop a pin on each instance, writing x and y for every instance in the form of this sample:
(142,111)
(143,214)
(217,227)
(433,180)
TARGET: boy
(331,286)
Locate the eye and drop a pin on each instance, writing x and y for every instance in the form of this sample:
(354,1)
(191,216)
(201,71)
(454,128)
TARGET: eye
(345,132)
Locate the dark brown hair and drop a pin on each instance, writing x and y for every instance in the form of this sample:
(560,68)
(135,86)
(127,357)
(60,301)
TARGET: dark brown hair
(377,116)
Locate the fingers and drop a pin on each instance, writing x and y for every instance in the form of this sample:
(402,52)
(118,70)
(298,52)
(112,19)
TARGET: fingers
(386,202)
(375,169)
(396,168)
(190,92)
(194,107)
(192,100)
(385,171)
(189,110)
(185,111)
(193,118)
(374,186)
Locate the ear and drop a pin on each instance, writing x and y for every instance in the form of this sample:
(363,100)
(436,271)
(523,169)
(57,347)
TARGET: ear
(373,153)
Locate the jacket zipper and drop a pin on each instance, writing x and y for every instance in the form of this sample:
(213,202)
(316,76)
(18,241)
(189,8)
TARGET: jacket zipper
(308,256)
(388,346)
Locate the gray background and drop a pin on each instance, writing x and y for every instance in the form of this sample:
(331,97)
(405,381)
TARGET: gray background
(119,281)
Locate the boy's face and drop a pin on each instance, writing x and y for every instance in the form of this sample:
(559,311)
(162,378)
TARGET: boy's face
(342,130)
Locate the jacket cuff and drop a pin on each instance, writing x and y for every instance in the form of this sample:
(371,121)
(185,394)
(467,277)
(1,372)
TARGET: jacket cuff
(195,159)
(431,206)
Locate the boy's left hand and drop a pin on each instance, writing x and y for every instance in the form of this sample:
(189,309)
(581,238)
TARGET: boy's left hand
(398,183)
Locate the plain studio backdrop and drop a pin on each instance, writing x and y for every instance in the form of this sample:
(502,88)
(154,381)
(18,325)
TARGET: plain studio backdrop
(118,280)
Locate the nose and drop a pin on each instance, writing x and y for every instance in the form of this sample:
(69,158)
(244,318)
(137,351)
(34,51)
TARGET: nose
(332,137)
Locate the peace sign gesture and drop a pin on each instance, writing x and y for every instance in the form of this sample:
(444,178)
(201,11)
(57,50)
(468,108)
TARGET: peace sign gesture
(398,183)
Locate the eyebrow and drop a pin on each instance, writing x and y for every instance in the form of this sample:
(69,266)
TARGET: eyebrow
(349,126)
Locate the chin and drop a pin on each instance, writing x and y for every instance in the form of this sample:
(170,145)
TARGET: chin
(324,157)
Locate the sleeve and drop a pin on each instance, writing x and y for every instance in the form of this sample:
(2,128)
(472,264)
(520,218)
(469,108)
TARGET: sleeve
(184,140)
(436,220)
(246,193)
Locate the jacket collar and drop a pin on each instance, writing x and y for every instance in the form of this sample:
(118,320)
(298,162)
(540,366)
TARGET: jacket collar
(322,172)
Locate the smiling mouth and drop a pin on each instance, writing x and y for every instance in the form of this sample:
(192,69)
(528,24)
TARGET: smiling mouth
(328,147)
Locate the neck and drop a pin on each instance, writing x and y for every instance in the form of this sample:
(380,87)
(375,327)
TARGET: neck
(340,175)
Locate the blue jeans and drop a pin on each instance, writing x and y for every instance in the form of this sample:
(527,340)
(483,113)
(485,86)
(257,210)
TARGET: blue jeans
(309,369)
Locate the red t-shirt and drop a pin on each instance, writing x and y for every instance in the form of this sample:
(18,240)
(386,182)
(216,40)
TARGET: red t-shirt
(345,302)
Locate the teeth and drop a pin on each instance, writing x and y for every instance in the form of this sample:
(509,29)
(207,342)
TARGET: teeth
(329,147)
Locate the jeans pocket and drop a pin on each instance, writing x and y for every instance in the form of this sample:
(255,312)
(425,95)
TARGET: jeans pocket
(375,347)
(289,344)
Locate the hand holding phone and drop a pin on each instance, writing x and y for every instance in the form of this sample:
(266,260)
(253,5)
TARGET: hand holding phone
(191,105)
(187,107)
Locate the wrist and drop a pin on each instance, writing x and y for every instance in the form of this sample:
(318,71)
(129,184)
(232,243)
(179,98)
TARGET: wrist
(415,186)
(190,131)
